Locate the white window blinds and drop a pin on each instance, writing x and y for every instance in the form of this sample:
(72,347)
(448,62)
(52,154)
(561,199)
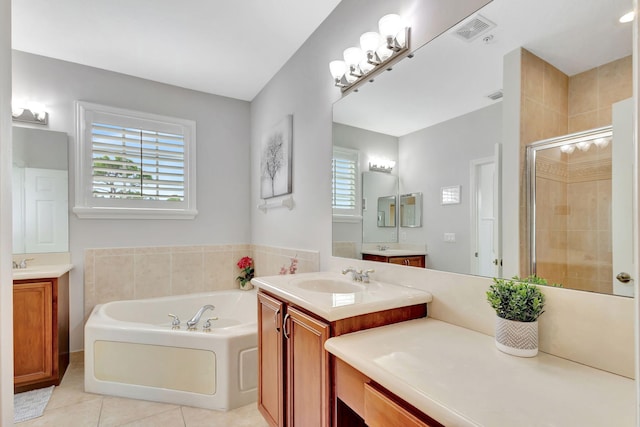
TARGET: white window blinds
(345,192)
(132,163)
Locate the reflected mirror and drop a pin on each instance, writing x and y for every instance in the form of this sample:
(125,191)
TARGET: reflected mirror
(379,207)
(387,211)
(411,210)
(40,191)
(444,120)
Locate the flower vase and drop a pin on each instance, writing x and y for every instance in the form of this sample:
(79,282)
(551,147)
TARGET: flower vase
(517,338)
(247,287)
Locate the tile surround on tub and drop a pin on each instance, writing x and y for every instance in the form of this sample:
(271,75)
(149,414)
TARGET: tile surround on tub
(112,274)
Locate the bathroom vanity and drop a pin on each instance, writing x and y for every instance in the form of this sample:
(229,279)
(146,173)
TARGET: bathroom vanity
(40,326)
(296,316)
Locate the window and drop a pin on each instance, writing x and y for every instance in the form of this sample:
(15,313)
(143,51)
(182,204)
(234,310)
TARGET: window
(131,164)
(345,185)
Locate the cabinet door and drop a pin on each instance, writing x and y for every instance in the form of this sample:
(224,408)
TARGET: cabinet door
(381,411)
(307,370)
(33,332)
(270,360)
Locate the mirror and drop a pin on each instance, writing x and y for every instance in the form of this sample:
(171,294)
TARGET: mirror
(411,210)
(446,118)
(40,191)
(387,211)
(379,207)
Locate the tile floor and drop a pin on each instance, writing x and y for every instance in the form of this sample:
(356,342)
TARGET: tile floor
(70,406)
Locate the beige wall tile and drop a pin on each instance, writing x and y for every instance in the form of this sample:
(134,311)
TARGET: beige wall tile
(614,81)
(114,278)
(532,121)
(582,122)
(532,76)
(220,271)
(556,89)
(187,273)
(152,274)
(583,94)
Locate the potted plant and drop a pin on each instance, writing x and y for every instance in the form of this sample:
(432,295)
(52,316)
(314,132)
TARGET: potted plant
(245,264)
(518,305)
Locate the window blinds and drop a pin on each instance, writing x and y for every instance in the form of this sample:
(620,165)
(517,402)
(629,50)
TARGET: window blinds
(131,163)
(344,182)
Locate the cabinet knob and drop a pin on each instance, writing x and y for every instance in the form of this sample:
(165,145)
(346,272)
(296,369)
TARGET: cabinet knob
(623,277)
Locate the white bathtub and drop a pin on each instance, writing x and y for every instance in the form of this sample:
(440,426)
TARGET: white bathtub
(132,351)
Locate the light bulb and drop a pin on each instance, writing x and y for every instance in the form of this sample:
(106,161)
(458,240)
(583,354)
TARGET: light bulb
(568,148)
(38,109)
(384,52)
(627,17)
(369,42)
(338,68)
(602,142)
(583,145)
(16,108)
(366,66)
(353,56)
(390,25)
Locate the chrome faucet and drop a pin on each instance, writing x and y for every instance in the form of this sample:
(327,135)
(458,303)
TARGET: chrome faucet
(358,275)
(22,263)
(191,323)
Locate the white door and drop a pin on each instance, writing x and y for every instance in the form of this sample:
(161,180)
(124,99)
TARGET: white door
(46,223)
(622,198)
(485,226)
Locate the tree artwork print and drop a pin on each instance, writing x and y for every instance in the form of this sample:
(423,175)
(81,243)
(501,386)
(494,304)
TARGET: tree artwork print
(275,164)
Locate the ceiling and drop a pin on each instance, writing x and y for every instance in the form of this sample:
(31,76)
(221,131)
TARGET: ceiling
(228,48)
(450,77)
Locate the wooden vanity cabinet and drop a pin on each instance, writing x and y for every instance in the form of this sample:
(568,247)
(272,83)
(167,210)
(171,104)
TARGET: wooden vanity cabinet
(411,260)
(40,332)
(360,402)
(294,371)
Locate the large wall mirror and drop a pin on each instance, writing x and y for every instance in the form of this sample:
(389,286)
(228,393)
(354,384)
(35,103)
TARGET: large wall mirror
(441,115)
(40,191)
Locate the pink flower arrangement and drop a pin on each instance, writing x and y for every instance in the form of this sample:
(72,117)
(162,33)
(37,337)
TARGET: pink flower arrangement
(293,267)
(245,264)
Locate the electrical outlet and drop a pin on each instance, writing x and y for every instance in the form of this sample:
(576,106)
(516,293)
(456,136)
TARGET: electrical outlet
(450,237)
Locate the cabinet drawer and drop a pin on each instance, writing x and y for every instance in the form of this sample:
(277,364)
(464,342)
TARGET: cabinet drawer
(381,411)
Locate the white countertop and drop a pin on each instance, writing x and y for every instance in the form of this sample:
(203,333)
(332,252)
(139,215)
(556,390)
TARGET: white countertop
(41,271)
(459,377)
(331,306)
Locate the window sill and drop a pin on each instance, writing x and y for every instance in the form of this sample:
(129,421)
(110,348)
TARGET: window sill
(347,218)
(130,213)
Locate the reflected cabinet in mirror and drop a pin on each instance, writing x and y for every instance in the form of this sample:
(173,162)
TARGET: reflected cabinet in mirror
(40,191)
(445,125)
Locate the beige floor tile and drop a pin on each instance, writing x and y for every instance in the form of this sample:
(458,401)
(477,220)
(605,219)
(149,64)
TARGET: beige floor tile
(170,418)
(246,416)
(117,411)
(85,414)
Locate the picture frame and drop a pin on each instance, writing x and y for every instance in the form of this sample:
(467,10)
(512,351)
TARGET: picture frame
(276,159)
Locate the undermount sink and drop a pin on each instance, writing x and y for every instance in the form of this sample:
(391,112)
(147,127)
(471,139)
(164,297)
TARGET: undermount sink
(330,286)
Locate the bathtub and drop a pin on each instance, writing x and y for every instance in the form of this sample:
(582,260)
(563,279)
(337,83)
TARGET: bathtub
(132,350)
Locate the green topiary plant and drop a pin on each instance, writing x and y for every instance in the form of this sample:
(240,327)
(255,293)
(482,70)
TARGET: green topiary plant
(514,300)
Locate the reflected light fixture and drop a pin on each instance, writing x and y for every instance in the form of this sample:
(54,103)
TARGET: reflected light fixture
(376,52)
(29,112)
(381,165)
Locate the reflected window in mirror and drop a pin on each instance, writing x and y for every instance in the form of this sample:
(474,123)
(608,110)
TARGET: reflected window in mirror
(345,184)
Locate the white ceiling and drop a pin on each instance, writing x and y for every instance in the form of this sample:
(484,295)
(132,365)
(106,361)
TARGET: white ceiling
(449,77)
(230,48)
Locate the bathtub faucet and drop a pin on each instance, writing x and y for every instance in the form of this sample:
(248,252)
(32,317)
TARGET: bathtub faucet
(191,323)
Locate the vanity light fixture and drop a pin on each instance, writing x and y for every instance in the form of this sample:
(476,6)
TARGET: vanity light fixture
(29,112)
(381,165)
(377,51)
(627,17)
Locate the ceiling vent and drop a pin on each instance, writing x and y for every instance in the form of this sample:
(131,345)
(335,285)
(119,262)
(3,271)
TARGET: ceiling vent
(474,28)
(495,95)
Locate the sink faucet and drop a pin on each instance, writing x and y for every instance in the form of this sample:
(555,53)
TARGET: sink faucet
(22,263)
(358,275)
(191,323)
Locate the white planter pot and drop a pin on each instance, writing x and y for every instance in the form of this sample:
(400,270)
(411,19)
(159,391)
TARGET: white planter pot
(517,338)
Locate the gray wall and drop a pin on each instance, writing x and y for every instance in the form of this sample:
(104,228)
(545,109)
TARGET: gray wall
(439,156)
(222,158)
(304,88)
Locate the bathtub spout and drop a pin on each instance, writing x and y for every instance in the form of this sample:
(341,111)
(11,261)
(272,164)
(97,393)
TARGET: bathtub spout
(191,323)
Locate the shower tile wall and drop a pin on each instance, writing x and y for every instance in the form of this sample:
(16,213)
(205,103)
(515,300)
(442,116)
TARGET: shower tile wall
(578,194)
(143,272)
